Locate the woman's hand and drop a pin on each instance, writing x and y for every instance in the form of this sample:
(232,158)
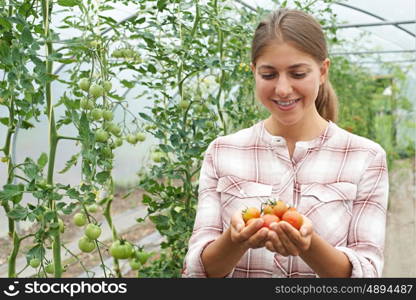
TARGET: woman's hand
(250,236)
(286,240)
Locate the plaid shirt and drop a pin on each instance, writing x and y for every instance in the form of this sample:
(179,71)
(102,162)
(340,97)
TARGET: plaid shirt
(338,180)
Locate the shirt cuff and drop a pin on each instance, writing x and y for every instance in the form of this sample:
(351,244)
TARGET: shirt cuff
(357,270)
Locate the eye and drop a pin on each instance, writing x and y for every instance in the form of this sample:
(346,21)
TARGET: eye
(298,75)
(268,76)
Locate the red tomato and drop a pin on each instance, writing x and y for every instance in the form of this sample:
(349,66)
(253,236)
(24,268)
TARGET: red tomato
(293,218)
(268,219)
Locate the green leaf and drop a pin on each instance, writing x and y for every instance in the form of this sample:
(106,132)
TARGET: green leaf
(4,121)
(151,68)
(127,84)
(73,193)
(160,221)
(12,192)
(102,177)
(146,117)
(18,213)
(27,125)
(146,199)
(30,169)
(70,163)
(26,36)
(42,160)
(69,208)
(68,3)
(37,251)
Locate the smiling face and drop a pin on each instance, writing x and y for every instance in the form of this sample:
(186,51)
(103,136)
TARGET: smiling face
(287,83)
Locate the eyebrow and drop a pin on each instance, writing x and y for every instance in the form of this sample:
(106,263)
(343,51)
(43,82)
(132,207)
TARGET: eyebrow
(290,67)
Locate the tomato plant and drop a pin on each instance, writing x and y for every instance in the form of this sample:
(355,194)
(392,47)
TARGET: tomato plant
(196,84)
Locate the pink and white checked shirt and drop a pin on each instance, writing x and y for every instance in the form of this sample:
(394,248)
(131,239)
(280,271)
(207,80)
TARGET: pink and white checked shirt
(338,180)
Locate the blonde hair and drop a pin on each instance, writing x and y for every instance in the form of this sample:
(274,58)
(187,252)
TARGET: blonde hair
(304,33)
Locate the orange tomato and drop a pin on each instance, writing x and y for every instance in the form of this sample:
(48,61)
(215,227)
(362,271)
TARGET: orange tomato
(293,218)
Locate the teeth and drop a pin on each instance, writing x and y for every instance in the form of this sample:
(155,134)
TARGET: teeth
(286,103)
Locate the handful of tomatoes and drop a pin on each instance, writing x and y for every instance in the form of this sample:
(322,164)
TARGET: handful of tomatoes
(273,211)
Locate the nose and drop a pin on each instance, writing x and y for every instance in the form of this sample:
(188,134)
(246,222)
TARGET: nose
(283,87)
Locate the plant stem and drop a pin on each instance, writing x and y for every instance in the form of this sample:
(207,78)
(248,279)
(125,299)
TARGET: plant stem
(107,215)
(53,135)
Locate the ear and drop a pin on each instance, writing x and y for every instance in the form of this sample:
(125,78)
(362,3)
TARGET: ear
(324,70)
(253,68)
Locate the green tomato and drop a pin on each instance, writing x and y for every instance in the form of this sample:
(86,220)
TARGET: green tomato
(96,90)
(95,44)
(150,127)
(134,264)
(128,53)
(84,84)
(97,114)
(132,139)
(199,108)
(86,104)
(114,129)
(184,104)
(50,268)
(92,231)
(121,249)
(107,152)
(101,136)
(92,208)
(140,136)
(143,256)
(79,219)
(34,262)
(108,115)
(118,142)
(107,85)
(157,156)
(210,124)
(86,245)
(117,53)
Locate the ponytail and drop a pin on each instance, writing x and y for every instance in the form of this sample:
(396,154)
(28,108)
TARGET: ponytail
(327,102)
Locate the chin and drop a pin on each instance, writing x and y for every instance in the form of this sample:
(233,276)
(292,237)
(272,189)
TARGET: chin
(288,122)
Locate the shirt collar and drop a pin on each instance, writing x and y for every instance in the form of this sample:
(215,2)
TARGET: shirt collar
(270,139)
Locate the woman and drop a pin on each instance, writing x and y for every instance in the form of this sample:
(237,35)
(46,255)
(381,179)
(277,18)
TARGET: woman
(337,180)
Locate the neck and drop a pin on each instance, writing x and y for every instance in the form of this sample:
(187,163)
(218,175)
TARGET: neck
(304,130)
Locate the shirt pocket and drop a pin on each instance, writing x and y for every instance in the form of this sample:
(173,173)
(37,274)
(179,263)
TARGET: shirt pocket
(329,206)
(237,192)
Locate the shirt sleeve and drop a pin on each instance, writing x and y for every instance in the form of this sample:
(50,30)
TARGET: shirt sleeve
(367,229)
(208,222)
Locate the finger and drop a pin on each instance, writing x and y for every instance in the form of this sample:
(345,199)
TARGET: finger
(285,240)
(273,237)
(258,239)
(251,229)
(293,234)
(237,221)
(307,227)
(269,246)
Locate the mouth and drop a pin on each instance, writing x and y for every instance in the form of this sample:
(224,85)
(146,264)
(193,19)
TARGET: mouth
(286,105)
